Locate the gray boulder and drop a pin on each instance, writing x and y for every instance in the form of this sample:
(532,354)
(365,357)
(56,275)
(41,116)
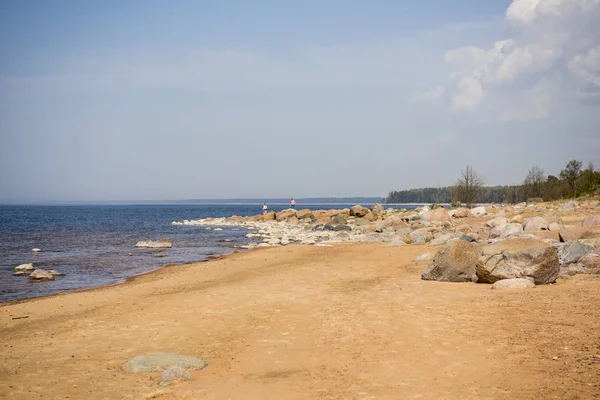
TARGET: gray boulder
(455,262)
(573,252)
(339,220)
(477,211)
(591,221)
(515,283)
(41,275)
(518,258)
(510,230)
(157,362)
(174,373)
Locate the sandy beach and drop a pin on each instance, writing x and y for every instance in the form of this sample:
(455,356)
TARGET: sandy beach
(352,321)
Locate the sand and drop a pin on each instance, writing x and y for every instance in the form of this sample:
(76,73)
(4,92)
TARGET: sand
(305,322)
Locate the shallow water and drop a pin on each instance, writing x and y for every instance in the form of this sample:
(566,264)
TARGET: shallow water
(90,244)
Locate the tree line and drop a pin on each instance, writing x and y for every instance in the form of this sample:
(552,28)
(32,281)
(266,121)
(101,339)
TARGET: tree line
(573,181)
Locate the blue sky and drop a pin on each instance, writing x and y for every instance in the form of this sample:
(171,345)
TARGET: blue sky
(148,100)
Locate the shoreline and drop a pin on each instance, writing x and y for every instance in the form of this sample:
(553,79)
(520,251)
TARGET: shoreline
(294,321)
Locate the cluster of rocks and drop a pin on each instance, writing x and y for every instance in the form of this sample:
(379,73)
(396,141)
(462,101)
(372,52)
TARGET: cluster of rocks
(174,367)
(35,274)
(493,243)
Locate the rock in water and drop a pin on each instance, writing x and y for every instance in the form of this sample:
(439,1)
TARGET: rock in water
(515,283)
(155,244)
(174,373)
(41,275)
(157,362)
(455,262)
(36,250)
(518,258)
(23,269)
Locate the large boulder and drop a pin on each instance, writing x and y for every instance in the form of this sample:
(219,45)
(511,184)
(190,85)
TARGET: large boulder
(358,211)
(455,262)
(157,362)
(536,224)
(570,234)
(505,231)
(518,219)
(269,216)
(515,283)
(570,206)
(41,275)
(421,235)
(573,252)
(440,215)
(285,215)
(155,244)
(518,258)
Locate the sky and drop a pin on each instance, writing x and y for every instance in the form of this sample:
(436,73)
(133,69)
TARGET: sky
(155,100)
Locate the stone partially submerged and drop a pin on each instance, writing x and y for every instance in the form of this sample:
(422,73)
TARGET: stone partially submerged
(518,258)
(455,262)
(158,362)
(155,244)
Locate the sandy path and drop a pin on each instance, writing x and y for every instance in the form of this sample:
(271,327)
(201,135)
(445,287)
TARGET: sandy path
(299,322)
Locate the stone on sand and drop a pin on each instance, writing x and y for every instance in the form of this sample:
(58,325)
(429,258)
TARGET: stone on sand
(514,283)
(455,262)
(157,362)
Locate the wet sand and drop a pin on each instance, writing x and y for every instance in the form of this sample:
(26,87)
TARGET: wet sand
(304,322)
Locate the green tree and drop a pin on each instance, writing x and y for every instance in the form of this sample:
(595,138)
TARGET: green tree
(571,173)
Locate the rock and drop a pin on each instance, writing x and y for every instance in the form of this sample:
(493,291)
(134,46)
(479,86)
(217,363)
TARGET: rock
(305,214)
(477,212)
(536,224)
(590,260)
(160,255)
(361,222)
(439,215)
(591,221)
(510,230)
(284,215)
(377,209)
(358,211)
(570,234)
(455,262)
(174,373)
(442,239)
(339,228)
(369,216)
(157,362)
(424,257)
(270,216)
(155,244)
(421,235)
(23,269)
(554,226)
(396,242)
(570,206)
(339,220)
(468,238)
(41,275)
(54,272)
(573,252)
(518,258)
(461,213)
(518,219)
(36,250)
(498,221)
(515,283)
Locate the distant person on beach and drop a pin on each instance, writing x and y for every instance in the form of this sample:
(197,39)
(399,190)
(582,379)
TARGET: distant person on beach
(265,208)
(292,203)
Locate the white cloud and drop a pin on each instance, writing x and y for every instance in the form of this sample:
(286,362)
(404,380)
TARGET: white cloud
(432,96)
(547,36)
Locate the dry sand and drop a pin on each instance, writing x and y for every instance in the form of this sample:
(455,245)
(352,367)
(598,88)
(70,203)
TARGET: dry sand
(304,322)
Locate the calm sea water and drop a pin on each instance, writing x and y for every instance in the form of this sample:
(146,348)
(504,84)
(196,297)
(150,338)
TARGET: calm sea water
(90,244)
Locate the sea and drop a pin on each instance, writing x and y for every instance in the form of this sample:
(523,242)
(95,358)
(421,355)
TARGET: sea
(94,245)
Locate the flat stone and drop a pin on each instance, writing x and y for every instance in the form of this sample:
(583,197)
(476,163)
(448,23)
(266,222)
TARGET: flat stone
(157,362)
(41,275)
(516,283)
(174,373)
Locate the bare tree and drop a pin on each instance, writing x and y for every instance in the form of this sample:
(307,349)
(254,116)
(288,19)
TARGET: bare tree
(469,186)
(534,183)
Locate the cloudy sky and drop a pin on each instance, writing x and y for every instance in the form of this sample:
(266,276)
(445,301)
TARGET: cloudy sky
(150,100)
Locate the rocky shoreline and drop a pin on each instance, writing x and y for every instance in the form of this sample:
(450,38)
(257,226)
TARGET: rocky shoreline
(542,242)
